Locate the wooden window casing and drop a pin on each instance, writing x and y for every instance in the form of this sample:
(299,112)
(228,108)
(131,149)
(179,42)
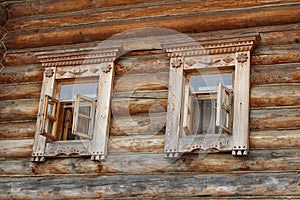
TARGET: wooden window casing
(232,116)
(60,67)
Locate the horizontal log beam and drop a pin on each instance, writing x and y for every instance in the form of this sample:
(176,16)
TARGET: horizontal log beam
(278,160)
(3,15)
(233,19)
(163,186)
(275,118)
(15,110)
(21,74)
(154,143)
(28,9)
(20,91)
(127,13)
(16,130)
(273,74)
(275,95)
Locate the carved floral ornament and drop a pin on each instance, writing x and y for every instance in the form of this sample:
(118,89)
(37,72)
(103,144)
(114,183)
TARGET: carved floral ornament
(242,57)
(49,73)
(176,62)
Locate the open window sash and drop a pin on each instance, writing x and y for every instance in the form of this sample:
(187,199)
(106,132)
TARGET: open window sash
(224,109)
(84,117)
(49,122)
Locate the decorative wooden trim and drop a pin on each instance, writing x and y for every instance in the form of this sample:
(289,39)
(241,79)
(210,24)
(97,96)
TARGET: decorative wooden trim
(75,63)
(214,54)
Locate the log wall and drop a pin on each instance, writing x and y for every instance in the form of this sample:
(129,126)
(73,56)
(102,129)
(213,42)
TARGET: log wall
(135,166)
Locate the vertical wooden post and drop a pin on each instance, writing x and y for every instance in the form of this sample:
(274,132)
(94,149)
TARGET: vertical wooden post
(241,104)
(175,93)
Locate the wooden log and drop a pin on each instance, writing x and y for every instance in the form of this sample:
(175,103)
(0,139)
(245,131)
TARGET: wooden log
(16,148)
(232,19)
(275,139)
(18,110)
(148,186)
(280,54)
(153,143)
(20,91)
(147,81)
(16,130)
(20,59)
(24,9)
(137,64)
(141,124)
(278,160)
(275,95)
(136,12)
(280,73)
(280,37)
(275,118)
(21,74)
(143,104)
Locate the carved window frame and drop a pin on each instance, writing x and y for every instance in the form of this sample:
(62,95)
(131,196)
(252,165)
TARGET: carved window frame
(211,55)
(98,62)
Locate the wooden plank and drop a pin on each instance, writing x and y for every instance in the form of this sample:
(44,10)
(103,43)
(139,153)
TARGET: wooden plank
(275,118)
(19,130)
(163,186)
(127,13)
(275,95)
(278,160)
(20,91)
(233,19)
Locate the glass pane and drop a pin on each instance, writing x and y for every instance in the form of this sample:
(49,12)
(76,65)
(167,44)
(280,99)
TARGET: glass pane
(83,125)
(49,126)
(50,109)
(69,91)
(210,82)
(207,117)
(85,108)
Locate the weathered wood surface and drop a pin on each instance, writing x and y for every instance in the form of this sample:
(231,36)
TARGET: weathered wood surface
(275,95)
(286,159)
(14,110)
(232,19)
(181,186)
(154,143)
(20,91)
(137,12)
(3,15)
(275,118)
(23,129)
(280,73)
(21,74)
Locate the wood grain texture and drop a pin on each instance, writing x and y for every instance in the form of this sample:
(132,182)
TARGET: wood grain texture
(164,186)
(127,13)
(278,160)
(275,95)
(272,74)
(153,143)
(21,74)
(241,18)
(20,91)
(275,118)
(17,130)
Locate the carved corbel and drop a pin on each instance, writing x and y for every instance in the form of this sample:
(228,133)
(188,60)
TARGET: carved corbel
(106,68)
(177,62)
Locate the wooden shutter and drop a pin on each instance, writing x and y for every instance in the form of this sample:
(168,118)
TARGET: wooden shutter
(224,110)
(49,121)
(84,117)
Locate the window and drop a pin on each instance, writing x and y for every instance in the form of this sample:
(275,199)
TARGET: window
(74,109)
(208,100)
